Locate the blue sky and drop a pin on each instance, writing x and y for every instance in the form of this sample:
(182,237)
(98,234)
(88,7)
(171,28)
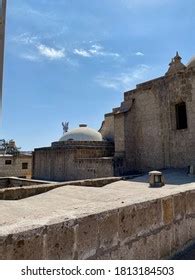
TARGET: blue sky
(71,60)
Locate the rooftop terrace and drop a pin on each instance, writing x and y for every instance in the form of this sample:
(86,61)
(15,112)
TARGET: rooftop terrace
(86,209)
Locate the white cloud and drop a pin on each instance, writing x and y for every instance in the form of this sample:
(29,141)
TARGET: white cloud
(34,43)
(139,54)
(25,38)
(124,80)
(82,52)
(94,50)
(51,53)
(29,57)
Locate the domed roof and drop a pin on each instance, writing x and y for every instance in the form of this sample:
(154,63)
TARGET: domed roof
(82,133)
(191,63)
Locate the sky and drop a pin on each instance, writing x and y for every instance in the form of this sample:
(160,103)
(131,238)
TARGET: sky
(72,60)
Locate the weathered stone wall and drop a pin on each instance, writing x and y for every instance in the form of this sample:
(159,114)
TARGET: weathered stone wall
(13,189)
(4,182)
(73,161)
(119,134)
(153,229)
(10,182)
(15,168)
(107,129)
(150,134)
(94,167)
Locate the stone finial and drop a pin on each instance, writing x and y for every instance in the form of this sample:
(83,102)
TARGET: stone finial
(177,57)
(175,65)
(172,61)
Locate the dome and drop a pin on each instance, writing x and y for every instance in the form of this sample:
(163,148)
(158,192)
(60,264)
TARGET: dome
(82,133)
(191,63)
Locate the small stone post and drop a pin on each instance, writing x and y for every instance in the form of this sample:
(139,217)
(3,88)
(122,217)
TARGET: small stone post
(156,179)
(191,171)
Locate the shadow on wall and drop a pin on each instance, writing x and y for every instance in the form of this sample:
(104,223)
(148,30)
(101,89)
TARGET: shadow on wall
(186,254)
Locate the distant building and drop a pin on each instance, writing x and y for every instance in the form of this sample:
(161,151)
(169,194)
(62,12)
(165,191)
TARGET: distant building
(13,162)
(16,165)
(154,128)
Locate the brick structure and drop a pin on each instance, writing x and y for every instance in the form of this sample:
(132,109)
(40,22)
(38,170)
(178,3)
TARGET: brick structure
(19,165)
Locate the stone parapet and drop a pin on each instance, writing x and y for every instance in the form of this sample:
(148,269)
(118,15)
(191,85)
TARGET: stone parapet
(147,85)
(15,189)
(150,229)
(73,144)
(12,182)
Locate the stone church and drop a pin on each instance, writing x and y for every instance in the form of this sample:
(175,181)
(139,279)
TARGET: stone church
(154,128)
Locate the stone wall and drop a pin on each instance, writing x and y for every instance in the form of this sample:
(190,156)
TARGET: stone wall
(150,137)
(119,134)
(153,229)
(94,167)
(66,161)
(107,128)
(4,182)
(10,182)
(15,189)
(15,168)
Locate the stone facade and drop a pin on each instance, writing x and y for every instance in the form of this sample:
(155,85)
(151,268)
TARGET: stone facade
(16,165)
(73,160)
(146,129)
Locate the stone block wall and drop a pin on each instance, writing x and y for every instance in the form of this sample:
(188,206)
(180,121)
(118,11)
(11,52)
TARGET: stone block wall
(153,229)
(16,189)
(15,168)
(94,167)
(119,132)
(107,128)
(4,182)
(67,161)
(150,135)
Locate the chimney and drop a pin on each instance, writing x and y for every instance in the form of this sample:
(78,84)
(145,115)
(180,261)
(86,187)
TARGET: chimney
(82,125)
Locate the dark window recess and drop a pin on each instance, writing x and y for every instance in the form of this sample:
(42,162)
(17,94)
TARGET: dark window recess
(8,162)
(24,165)
(181,116)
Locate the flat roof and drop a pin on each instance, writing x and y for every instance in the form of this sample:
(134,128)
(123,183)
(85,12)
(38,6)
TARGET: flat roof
(70,202)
